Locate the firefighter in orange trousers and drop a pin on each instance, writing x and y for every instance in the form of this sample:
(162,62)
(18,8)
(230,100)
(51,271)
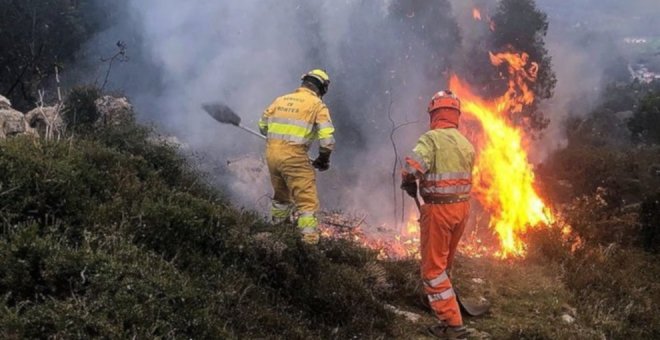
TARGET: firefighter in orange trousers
(291,123)
(442,162)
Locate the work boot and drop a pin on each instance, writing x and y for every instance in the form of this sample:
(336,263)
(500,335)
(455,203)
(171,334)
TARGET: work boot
(310,236)
(443,331)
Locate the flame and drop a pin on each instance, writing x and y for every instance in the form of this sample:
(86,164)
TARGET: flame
(390,244)
(504,178)
(412,227)
(503,175)
(476,13)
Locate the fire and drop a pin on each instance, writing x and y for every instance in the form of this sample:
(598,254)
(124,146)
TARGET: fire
(476,14)
(412,227)
(504,178)
(390,244)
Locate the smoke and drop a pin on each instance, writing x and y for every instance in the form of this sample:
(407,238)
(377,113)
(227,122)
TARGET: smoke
(385,59)
(586,41)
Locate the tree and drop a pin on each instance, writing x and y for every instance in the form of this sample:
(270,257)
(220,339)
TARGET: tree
(433,23)
(37,35)
(521,26)
(645,122)
(517,26)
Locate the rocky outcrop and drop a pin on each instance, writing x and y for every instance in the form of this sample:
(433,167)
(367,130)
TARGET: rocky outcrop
(4,103)
(46,121)
(12,122)
(113,110)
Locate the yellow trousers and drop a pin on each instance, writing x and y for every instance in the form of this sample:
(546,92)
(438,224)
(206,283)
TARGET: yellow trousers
(294,184)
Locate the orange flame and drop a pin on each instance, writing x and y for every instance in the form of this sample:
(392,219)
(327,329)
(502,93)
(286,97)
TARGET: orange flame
(390,244)
(504,179)
(476,14)
(412,227)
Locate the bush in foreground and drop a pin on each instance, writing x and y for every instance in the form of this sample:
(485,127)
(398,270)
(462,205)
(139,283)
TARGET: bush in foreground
(113,235)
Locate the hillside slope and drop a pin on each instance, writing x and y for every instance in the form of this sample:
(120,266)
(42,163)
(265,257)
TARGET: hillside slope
(110,234)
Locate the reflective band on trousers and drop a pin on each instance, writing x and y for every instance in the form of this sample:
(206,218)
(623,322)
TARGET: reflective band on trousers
(453,189)
(438,280)
(307,220)
(280,210)
(446,295)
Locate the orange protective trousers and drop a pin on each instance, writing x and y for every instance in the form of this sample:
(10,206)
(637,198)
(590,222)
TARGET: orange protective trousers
(441,227)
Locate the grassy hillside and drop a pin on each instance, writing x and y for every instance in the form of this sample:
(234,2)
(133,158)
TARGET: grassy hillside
(112,235)
(107,234)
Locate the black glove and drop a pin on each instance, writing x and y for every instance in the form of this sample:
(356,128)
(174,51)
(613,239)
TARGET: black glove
(322,162)
(410,188)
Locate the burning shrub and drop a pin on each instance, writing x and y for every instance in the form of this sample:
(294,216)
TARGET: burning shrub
(548,243)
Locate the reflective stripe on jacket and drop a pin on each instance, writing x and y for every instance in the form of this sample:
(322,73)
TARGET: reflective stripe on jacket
(442,160)
(298,118)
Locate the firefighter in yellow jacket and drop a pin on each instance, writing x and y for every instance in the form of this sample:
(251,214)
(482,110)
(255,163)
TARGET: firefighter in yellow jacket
(291,123)
(442,161)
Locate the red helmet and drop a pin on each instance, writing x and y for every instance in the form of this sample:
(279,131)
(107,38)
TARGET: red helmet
(445,100)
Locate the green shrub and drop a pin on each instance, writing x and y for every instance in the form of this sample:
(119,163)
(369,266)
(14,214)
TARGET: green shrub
(650,221)
(616,289)
(80,112)
(109,234)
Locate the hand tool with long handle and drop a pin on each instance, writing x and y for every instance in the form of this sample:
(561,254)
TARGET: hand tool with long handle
(224,114)
(468,308)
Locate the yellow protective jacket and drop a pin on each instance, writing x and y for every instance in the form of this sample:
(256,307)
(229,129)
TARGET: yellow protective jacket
(298,119)
(442,160)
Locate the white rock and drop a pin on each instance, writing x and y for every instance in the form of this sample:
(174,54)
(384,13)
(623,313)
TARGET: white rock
(12,123)
(567,319)
(412,317)
(113,110)
(4,103)
(41,118)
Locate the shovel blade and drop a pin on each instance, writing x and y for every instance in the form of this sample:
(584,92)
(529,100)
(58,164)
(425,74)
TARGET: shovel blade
(472,309)
(222,113)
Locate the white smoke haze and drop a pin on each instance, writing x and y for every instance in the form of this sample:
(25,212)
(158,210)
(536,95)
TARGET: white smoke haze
(382,56)
(585,40)
(249,52)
